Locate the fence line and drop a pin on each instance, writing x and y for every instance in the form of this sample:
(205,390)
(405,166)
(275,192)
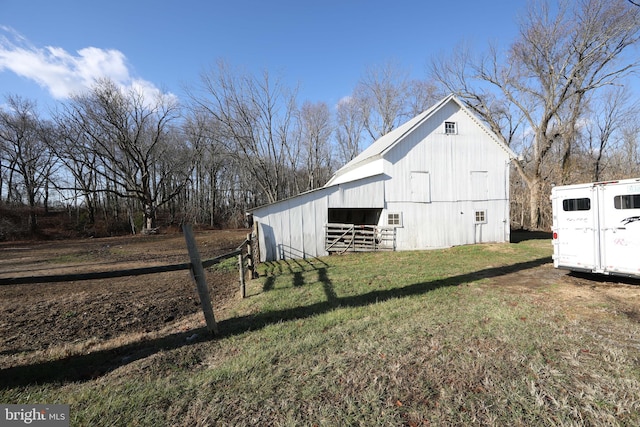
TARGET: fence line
(196,266)
(56,278)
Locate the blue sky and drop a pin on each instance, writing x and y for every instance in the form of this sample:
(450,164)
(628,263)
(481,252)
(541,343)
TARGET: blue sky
(50,48)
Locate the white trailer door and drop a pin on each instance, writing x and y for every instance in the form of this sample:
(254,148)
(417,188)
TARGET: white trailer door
(620,228)
(575,225)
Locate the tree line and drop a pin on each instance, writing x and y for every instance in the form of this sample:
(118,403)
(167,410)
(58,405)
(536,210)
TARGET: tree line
(559,95)
(240,140)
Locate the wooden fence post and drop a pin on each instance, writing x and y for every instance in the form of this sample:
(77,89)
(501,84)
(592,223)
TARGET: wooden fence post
(250,254)
(197,272)
(255,250)
(243,291)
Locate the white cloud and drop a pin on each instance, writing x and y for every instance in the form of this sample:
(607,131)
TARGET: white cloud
(64,74)
(345,100)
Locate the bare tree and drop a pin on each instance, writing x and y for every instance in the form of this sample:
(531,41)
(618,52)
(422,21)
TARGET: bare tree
(315,123)
(71,148)
(629,153)
(24,150)
(381,94)
(420,96)
(604,129)
(624,160)
(562,56)
(134,138)
(349,128)
(384,97)
(212,160)
(255,116)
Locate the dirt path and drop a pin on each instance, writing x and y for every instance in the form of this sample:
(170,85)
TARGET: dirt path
(582,291)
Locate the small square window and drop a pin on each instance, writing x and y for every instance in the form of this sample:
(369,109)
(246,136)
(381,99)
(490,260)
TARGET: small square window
(481,217)
(450,128)
(394,219)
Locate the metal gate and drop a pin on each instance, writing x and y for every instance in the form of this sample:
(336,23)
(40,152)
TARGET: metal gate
(340,238)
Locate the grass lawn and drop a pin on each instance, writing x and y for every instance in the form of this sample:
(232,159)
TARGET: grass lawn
(444,337)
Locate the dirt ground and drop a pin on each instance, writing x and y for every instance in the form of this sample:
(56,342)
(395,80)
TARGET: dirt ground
(578,292)
(37,317)
(40,316)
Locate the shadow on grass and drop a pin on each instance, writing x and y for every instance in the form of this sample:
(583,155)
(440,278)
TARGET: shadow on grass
(96,364)
(239,325)
(607,279)
(90,366)
(293,266)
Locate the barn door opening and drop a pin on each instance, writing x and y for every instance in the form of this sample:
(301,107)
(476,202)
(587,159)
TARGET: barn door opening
(355,216)
(355,230)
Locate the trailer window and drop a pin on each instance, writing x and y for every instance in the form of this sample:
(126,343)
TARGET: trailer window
(583,204)
(627,201)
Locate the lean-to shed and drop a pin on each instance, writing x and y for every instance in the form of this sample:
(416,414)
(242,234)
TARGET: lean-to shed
(439,180)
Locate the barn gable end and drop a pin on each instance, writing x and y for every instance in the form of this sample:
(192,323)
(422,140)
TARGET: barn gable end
(441,179)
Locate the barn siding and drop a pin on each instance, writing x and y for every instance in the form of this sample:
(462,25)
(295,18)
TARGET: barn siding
(467,172)
(441,225)
(293,245)
(294,228)
(449,159)
(289,229)
(434,180)
(364,193)
(314,233)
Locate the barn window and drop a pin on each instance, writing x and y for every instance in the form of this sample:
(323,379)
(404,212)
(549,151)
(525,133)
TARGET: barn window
(450,128)
(481,217)
(395,219)
(627,201)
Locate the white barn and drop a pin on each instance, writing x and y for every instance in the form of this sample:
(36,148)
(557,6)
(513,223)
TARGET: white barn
(439,180)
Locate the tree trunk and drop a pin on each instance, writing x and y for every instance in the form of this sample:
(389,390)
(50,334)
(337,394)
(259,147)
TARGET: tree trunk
(10,184)
(46,196)
(91,208)
(132,221)
(535,190)
(33,218)
(213,182)
(566,163)
(149,217)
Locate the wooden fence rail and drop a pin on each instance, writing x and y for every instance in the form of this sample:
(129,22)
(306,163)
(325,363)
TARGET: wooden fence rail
(197,266)
(56,278)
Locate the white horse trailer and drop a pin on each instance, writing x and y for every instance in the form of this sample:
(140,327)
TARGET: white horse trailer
(596,227)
